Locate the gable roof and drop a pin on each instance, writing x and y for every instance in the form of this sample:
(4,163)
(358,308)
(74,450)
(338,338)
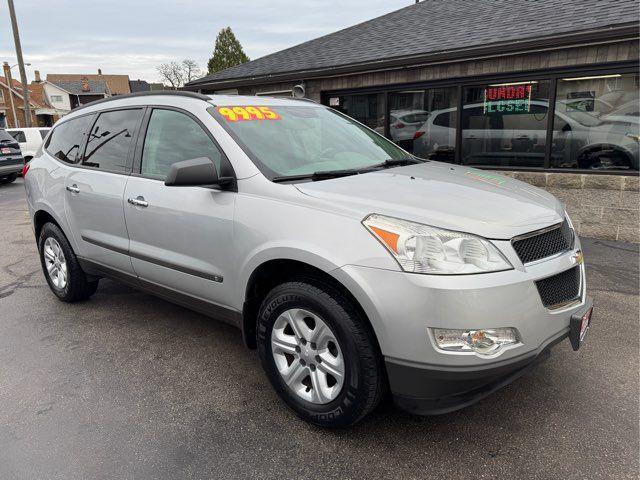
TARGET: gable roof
(439,27)
(118,84)
(139,86)
(74,87)
(35,99)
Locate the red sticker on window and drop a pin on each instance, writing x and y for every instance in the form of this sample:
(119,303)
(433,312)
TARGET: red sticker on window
(236,114)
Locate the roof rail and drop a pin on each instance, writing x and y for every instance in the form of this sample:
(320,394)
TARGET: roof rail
(177,93)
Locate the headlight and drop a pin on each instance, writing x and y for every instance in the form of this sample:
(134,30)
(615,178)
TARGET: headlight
(423,249)
(489,341)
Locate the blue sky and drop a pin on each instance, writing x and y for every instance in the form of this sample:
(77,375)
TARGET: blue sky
(134,36)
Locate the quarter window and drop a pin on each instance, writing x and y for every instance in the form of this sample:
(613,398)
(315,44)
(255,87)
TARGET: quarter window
(173,137)
(65,140)
(110,140)
(18,136)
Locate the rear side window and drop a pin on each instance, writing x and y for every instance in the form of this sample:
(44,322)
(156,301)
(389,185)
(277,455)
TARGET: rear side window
(43,133)
(173,137)
(5,137)
(445,120)
(18,136)
(65,140)
(110,139)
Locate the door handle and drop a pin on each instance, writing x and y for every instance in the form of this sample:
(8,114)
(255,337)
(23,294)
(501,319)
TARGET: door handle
(73,188)
(139,201)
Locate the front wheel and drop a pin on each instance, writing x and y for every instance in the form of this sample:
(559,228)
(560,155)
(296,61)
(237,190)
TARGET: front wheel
(319,354)
(61,268)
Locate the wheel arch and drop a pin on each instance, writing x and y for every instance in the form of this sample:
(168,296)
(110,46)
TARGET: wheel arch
(602,146)
(42,216)
(275,271)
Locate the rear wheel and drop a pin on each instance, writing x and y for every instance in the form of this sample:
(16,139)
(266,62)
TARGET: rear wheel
(9,178)
(319,354)
(61,268)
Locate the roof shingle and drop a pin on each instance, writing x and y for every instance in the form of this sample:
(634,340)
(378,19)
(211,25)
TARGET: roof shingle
(118,84)
(75,87)
(434,26)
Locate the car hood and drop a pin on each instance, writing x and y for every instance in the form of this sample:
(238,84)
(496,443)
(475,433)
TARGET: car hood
(443,195)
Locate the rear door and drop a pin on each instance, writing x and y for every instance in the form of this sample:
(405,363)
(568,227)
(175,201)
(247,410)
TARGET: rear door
(180,237)
(94,191)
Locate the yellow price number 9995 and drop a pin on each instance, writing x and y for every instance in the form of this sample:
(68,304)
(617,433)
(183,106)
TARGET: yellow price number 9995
(235,114)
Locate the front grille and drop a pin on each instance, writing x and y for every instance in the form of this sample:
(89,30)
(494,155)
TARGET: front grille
(548,242)
(561,289)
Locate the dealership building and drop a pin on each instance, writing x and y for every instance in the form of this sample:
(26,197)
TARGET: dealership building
(473,82)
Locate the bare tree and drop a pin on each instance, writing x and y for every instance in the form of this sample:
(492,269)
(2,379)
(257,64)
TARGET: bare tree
(172,73)
(190,70)
(177,74)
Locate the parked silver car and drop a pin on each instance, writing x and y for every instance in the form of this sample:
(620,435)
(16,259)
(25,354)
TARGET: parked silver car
(580,139)
(352,266)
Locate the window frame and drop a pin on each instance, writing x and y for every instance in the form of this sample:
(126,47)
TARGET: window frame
(552,75)
(47,141)
(135,135)
(136,170)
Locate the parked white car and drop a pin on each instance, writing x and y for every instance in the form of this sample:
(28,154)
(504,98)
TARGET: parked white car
(29,139)
(581,140)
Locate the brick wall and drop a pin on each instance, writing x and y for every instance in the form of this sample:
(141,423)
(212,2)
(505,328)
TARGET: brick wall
(600,206)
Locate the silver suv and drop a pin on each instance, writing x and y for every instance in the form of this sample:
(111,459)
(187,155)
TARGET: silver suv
(353,267)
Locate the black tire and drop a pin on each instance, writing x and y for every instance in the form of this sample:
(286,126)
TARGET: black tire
(79,286)
(9,178)
(365,380)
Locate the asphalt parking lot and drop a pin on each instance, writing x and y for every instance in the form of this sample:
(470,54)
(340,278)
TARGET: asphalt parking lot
(130,386)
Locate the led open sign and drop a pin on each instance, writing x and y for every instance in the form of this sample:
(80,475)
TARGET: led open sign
(507,99)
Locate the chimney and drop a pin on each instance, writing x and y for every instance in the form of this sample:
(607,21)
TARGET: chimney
(85,84)
(99,71)
(36,74)
(7,72)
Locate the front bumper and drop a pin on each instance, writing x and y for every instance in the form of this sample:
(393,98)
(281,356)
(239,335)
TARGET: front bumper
(404,307)
(433,391)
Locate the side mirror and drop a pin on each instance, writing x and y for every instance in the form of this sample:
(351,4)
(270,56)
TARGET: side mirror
(194,173)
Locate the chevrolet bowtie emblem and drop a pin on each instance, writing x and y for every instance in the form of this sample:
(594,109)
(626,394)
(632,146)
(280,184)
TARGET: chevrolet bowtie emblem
(578,257)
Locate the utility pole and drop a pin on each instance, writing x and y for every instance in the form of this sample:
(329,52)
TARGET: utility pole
(23,74)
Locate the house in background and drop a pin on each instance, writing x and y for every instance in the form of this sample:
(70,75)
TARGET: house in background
(77,92)
(12,103)
(139,86)
(116,84)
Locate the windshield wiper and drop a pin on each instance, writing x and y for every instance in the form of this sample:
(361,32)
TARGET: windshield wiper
(322,175)
(318,175)
(396,162)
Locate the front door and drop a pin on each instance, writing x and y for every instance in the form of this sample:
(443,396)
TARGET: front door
(180,237)
(94,191)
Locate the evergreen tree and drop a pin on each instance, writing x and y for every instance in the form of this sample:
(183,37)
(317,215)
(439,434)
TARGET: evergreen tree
(227,52)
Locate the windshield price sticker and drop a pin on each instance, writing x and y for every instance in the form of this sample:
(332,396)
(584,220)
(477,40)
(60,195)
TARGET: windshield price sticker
(235,114)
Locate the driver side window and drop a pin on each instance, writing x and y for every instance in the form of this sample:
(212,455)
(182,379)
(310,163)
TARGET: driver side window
(173,137)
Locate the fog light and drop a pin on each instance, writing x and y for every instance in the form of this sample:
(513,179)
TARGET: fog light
(488,341)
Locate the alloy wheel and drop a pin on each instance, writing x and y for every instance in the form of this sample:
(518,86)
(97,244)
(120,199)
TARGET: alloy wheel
(55,262)
(307,356)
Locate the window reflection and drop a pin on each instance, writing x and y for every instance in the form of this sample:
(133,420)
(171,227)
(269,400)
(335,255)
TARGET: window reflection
(505,124)
(368,109)
(424,122)
(596,123)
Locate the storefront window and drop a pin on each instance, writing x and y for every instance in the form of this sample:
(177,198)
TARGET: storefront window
(424,122)
(505,124)
(596,123)
(368,109)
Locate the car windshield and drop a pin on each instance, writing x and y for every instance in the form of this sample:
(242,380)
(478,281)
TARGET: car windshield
(299,140)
